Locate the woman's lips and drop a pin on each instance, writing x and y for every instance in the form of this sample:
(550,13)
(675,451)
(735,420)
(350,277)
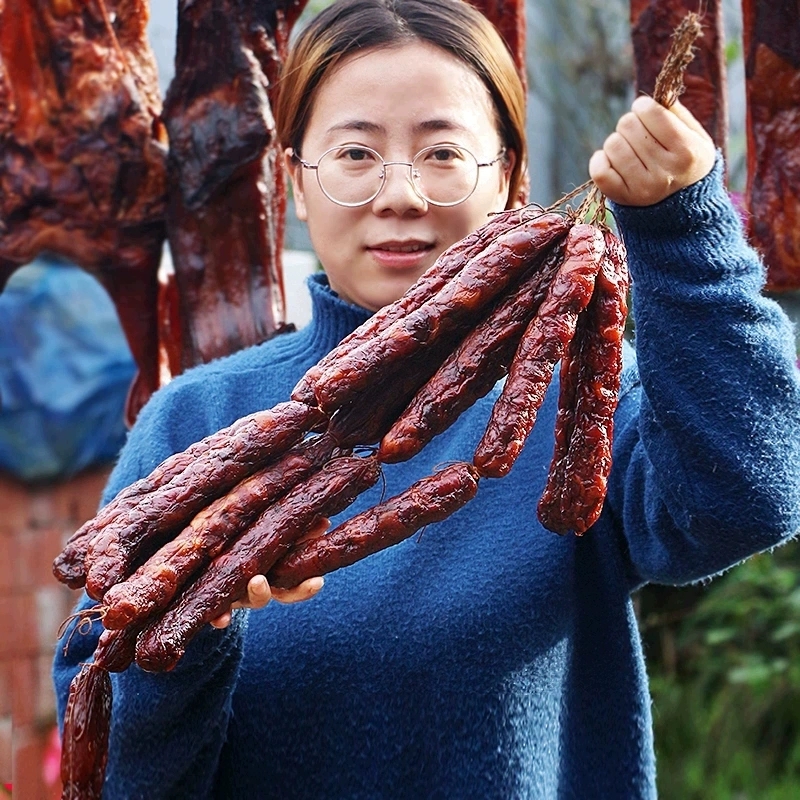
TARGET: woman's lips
(400,256)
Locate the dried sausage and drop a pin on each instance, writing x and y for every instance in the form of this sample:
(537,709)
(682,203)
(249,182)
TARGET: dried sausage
(542,345)
(326,492)
(87,723)
(151,588)
(576,488)
(447,266)
(217,464)
(429,500)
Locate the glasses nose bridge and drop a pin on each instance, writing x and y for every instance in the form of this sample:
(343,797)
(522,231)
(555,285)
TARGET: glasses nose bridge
(412,176)
(412,173)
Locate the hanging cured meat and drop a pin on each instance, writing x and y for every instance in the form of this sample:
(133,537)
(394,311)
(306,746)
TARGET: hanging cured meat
(652,26)
(84,168)
(772,84)
(508,16)
(226,200)
(83,154)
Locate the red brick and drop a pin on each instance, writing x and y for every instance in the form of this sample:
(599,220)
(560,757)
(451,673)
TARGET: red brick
(5,689)
(20,611)
(27,765)
(53,606)
(14,500)
(23,688)
(8,567)
(35,550)
(76,501)
(42,507)
(45,693)
(5,749)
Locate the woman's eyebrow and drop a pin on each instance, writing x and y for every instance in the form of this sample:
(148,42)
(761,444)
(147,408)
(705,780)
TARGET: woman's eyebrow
(426,126)
(360,125)
(438,125)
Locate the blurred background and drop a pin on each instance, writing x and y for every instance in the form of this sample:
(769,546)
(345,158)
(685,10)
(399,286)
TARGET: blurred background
(722,656)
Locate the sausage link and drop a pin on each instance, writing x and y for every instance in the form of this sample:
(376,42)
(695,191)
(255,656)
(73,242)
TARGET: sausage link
(87,723)
(116,650)
(463,298)
(587,462)
(218,463)
(549,507)
(366,418)
(325,493)
(69,566)
(542,345)
(154,584)
(473,368)
(429,500)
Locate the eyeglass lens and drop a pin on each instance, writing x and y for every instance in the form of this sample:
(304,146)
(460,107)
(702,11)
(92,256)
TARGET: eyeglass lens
(442,174)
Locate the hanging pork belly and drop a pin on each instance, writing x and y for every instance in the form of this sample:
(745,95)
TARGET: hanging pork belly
(226,207)
(508,16)
(83,154)
(772,84)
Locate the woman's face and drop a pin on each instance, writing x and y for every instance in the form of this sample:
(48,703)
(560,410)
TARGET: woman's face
(396,101)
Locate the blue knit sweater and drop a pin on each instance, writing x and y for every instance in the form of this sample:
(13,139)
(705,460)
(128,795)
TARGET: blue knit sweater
(487,657)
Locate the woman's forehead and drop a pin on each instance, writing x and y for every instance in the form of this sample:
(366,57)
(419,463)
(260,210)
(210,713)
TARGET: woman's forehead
(416,86)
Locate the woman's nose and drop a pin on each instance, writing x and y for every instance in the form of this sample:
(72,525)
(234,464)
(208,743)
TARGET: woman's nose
(399,193)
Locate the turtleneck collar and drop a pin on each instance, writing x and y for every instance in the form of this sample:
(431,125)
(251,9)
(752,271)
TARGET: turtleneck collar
(331,317)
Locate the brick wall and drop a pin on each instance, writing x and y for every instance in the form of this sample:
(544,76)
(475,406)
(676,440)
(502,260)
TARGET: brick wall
(35,521)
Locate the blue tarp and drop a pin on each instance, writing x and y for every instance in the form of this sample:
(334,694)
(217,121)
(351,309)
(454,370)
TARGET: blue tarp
(65,369)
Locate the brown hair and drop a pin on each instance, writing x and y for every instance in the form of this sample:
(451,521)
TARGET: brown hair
(348,26)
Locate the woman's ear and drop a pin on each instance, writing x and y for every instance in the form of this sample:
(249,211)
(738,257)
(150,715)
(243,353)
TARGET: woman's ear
(507,164)
(295,170)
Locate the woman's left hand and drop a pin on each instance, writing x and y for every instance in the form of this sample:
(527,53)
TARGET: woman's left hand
(653,153)
(259,592)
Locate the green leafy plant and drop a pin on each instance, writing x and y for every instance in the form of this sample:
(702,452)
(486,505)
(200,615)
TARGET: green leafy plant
(724,664)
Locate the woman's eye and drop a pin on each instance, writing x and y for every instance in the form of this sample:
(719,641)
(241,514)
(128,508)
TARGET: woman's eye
(444,154)
(355,154)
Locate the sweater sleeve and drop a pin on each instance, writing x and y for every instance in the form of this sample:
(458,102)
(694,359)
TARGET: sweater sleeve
(167,730)
(708,471)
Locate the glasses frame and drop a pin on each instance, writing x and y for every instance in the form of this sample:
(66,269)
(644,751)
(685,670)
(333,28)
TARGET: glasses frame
(409,164)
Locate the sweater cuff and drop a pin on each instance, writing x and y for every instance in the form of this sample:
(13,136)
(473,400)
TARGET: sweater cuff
(682,212)
(212,644)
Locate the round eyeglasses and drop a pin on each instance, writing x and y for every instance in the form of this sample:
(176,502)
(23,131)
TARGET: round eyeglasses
(442,174)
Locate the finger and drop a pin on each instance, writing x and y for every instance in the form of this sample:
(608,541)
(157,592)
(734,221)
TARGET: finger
(258,592)
(643,142)
(674,127)
(624,159)
(222,621)
(658,121)
(258,595)
(607,180)
(688,119)
(303,591)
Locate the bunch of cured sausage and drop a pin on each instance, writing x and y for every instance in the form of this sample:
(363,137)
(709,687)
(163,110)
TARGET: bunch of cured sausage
(170,553)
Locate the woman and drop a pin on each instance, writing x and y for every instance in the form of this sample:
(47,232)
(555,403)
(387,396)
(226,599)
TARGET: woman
(487,658)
